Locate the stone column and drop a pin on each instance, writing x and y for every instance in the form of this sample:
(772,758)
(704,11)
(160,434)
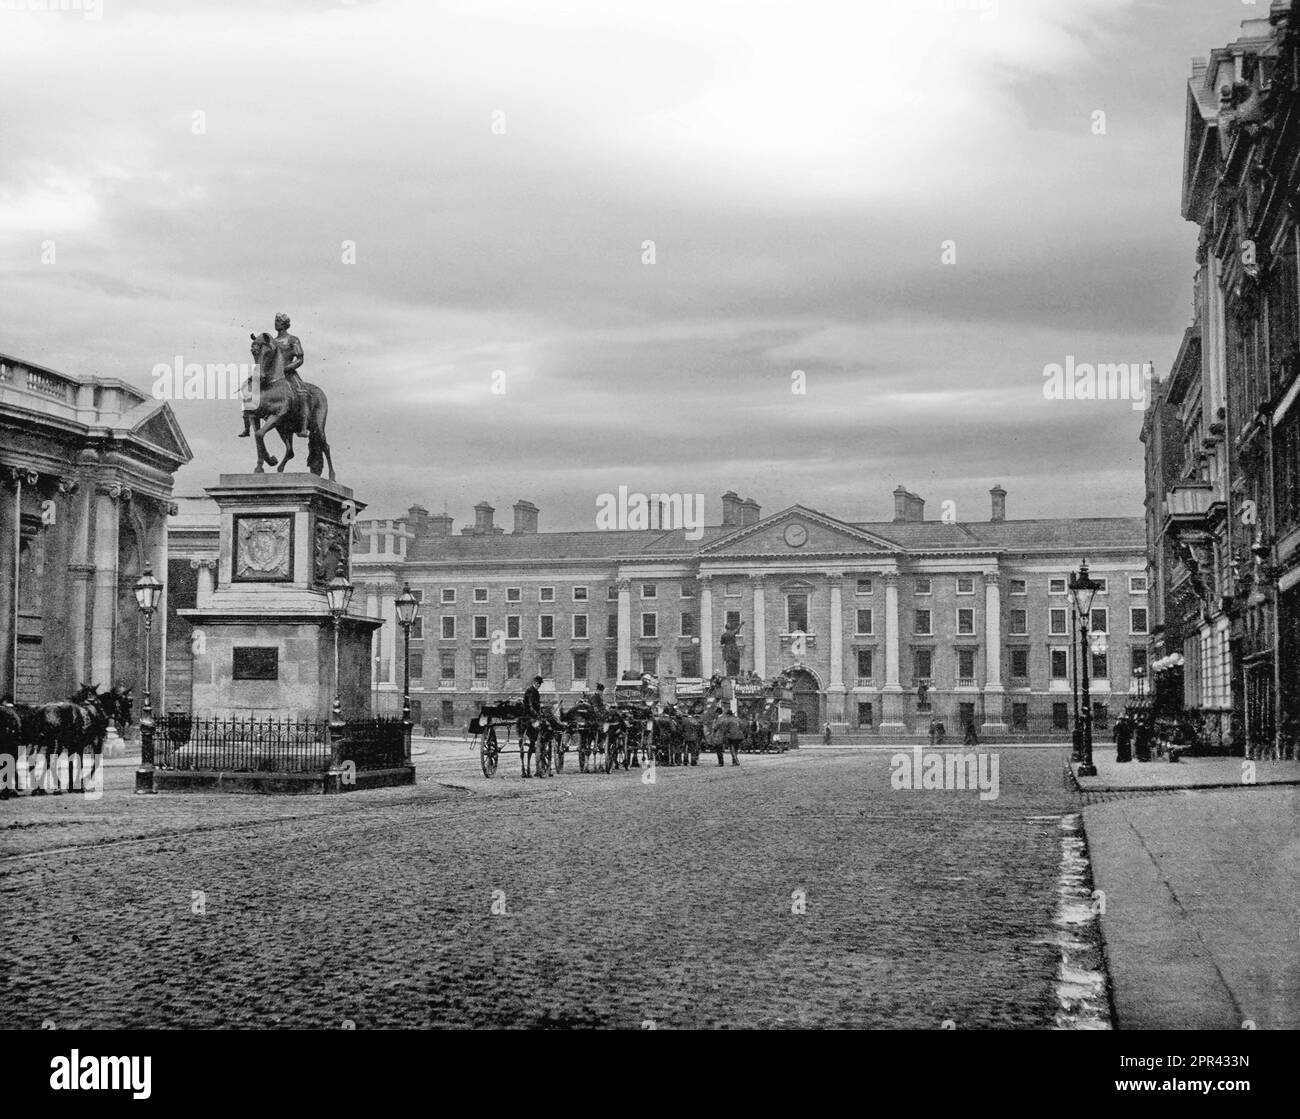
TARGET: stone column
(156,551)
(891,696)
(760,627)
(706,626)
(624,626)
(994,692)
(388,635)
(372,611)
(81,569)
(835,693)
(206,569)
(10,538)
(103,624)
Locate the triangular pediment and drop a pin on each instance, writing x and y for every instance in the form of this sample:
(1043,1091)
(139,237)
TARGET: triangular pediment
(798,531)
(160,431)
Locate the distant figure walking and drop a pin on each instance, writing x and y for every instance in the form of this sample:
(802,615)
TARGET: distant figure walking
(1123,739)
(971,739)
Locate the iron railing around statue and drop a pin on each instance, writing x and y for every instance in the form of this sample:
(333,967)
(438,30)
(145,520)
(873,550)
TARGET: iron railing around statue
(183,741)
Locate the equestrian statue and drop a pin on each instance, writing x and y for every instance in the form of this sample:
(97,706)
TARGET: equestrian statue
(277,399)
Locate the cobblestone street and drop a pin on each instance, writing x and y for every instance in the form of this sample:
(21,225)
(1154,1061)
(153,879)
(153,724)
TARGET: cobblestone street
(624,902)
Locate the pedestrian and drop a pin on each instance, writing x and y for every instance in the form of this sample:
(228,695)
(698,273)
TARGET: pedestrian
(1123,739)
(530,725)
(971,739)
(1142,741)
(734,734)
(934,731)
(826,734)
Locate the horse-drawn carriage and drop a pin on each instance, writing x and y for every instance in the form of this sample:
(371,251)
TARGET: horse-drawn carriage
(765,712)
(542,737)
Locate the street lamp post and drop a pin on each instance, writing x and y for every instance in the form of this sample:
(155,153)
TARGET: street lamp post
(148,593)
(1076,735)
(407,605)
(1082,590)
(338,594)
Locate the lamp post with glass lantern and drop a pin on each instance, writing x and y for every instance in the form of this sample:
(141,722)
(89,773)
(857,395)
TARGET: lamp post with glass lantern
(1082,591)
(148,594)
(407,605)
(338,594)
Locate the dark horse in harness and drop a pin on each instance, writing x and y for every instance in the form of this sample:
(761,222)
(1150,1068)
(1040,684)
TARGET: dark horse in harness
(59,732)
(278,407)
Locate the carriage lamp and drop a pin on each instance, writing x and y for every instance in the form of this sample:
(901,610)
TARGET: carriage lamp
(407,605)
(338,595)
(1082,591)
(148,594)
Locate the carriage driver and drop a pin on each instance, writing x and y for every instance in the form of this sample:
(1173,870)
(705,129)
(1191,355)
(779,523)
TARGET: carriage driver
(530,724)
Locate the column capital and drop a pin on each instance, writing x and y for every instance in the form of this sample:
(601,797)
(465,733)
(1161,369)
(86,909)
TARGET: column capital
(705,578)
(67,485)
(758,578)
(199,564)
(835,577)
(992,578)
(891,578)
(623,585)
(15,475)
(114,491)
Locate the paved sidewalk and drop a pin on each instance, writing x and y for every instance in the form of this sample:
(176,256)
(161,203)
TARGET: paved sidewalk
(1201,906)
(1189,773)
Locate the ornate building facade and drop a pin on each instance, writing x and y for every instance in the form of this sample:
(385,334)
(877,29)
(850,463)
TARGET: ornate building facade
(1223,433)
(86,471)
(884,625)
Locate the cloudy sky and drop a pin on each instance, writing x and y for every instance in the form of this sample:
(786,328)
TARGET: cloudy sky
(499,165)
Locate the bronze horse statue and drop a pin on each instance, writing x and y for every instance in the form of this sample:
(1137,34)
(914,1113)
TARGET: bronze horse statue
(277,408)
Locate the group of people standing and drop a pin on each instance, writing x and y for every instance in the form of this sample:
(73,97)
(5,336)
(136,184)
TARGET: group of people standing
(1133,735)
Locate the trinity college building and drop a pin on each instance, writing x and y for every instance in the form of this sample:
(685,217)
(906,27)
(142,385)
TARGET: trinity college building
(885,625)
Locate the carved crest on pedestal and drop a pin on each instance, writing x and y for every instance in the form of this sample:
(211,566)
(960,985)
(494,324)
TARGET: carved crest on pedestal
(263,549)
(330,551)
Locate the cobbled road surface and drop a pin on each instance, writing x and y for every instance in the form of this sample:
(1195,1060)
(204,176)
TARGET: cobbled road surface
(618,903)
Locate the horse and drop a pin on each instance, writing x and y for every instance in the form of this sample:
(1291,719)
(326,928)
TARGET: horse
(277,409)
(11,739)
(68,727)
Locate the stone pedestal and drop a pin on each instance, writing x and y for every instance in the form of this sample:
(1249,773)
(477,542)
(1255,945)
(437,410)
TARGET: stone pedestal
(263,642)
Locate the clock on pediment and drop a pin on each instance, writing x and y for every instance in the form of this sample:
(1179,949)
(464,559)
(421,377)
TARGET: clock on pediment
(796,535)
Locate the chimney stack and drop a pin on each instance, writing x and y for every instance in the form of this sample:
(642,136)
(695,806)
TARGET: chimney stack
(731,509)
(525,518)
(439,524)
(417,520)
(908,506)
(999,496)
(750,511)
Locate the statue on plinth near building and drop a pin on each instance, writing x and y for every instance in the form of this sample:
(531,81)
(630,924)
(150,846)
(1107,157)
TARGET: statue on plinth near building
(730,648)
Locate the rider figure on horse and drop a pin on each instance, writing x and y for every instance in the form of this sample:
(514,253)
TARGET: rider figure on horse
(290,348)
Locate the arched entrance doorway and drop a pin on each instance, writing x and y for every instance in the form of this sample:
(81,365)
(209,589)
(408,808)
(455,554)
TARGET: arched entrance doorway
(806,714)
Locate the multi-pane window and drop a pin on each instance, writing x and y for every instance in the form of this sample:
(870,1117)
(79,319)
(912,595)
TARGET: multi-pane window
(579,627)
(965,620)
(691,663)
(513,666)
(480,664)
(649,590)
(923,586)
(865,586)
(1099,666)
(1102,583)
(480,594)
(611,593)
(611,663)
(1058,619)
(1099,620)
(514,594)
(1137,584)
(480,626)
(865,665)
(923,664)
(796,613)
(449,596)
(448,627)
(1019,658)
(650,662)
(546,625)
(1019,586)
(1019,623)
(611,625)
(923,623)
(1139,659)
(965,584)
(1057,586)
(688,624)
(417,666)
(965,664)
(649,625)
(732,589)
(546,664)
(579,594)
(545,594)
(1137,619)
(1060,664)
(687,589)
(417,628)
(580,657)
(447,667)
(514,624)
(865,620)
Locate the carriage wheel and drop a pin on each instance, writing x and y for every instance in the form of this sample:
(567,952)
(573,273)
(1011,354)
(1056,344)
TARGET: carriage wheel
(611,750)
(488,752)
(561,745)
(584,752)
